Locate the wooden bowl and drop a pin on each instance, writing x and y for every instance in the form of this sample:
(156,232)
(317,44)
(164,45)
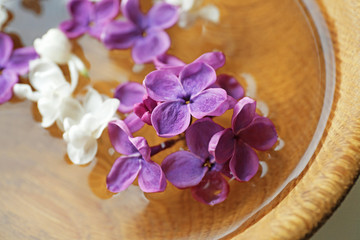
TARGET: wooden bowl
(300,59)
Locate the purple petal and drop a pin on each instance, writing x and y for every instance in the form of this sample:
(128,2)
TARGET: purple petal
(170,118)
(244,163)
(231,86)
(207,102)
(7,82)
(244,113)
(142,147)
(162,16)
(213,189)
(169,63)
(6,47)
(80,10)
(163,86)
(19,60)
(144,110)
(184,169)
(198,136)
(119,135)
(96,30)
(73,28)
(151,177)
(195,77)
(133,122)
(123,173)
(120,35)
(147,48)
(106,10)
(131,10)
(129,94)
(260,134)
(221,145)
(214,59)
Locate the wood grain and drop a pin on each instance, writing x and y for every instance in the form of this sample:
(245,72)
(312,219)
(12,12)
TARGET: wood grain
(44,197)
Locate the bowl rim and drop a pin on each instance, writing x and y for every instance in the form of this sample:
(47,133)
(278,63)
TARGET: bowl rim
(335,166)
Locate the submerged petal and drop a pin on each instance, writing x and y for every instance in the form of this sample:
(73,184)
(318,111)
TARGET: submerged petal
(6,47)
(260,134)
(184,169)
(19,60)
(163,86)
(221,145)
(207,102)
(129,94)
(195,77)
(151,177)
(162,16)
(244,163)
(120,35)
(244,113)
(213,189)
(147,48)
(170,118)
(123,173)
(119,135)
(198,136)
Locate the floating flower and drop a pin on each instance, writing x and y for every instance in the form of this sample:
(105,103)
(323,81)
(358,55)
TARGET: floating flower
(144,34)
(134,163)
(197,169)
(191,10)
(248,131)
(182,97)
(84,124)
(129,94)
(12,63)
(88,17)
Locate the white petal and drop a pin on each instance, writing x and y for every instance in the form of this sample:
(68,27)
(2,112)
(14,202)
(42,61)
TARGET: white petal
(72,110)
(79,65)
(93,101)
(210,13)
(84,154)
(3,16)
(105,115)
(24,91)
(54,45)
(74,75)
(48,109)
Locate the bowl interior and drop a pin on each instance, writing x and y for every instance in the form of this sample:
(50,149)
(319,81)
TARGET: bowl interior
(274,50)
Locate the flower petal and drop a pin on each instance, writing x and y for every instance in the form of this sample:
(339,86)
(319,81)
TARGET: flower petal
(131,10)
(129,94)
(169,63)
(133,122)
(142,146)
(120,35)
(198,136)
(213,189)
(214,59)
(123,173)
(73,28)
(7,82)
(244,113)
(163,86)
(106,10)
(260,134)
(19,60)
(80,10)
(244,163)
(6,47)
(170,118)
(83,154)
(147,48)
(162,16)
(184,169)
(231,86)
(221,145)
(151,177)
(205,103)
(195,77)
(119,135)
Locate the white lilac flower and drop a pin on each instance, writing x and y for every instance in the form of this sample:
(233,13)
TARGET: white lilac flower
(3,15)
(85,123)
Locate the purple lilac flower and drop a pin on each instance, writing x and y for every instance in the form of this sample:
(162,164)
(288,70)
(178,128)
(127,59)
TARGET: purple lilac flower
(135,162)
(197,169)
(171,63)
(144,109)
(12,63)
(248,131)
(89,17)
(183,96)
(129,94)
(144,33)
